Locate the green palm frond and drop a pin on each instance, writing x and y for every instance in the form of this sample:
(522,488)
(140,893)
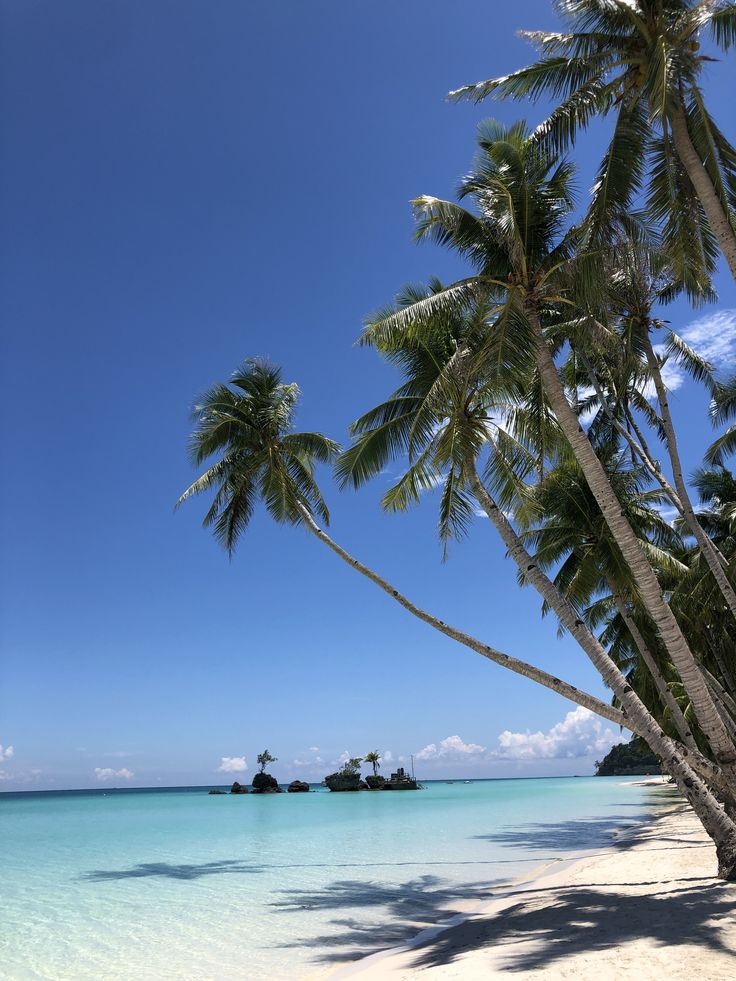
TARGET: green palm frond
(699,368)
(641,61)
(723,24)
(722,447)
(248,425)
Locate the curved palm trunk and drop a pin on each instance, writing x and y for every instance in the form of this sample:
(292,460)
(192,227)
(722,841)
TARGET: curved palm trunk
(712,556)
(721,694)
(637,448)
(565,611)
(715,821)
(647,657)
(646,580)
(725,673)
(717,218)
(505,660)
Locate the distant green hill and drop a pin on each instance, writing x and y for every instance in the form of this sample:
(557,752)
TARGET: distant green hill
(634,758)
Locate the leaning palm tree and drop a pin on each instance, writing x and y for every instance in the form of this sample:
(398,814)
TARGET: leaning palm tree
(642,61)
(523,251)
(442,416)
(374,758)
(523,259)
(637,278)
(248,427)
(564,525)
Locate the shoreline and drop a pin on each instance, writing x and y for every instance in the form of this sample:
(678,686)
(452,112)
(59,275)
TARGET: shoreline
(628,906)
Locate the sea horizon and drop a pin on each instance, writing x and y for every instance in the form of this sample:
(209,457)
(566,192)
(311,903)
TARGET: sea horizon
(312,783)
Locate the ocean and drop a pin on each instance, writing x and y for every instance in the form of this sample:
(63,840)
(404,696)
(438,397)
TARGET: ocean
(176,884)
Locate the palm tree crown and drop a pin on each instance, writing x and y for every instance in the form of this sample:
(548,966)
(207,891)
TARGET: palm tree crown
(642,60)
(248,426)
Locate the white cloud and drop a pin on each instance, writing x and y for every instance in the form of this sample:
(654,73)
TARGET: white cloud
(107,773)
(7,753)
(232,764)
(712,337)
(450,748)
(580,734)
(21,776)
(312,758)
(387,756)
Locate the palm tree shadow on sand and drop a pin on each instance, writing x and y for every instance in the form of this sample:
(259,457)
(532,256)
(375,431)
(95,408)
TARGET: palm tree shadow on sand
(564,920)
(585,919)
(402,910)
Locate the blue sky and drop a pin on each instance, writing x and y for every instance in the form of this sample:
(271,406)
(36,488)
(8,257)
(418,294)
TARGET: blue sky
(185,185)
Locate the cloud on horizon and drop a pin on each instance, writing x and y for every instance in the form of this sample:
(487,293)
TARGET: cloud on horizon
(450,748)
(232,764)
(7,753)
(104,773)
(580,734)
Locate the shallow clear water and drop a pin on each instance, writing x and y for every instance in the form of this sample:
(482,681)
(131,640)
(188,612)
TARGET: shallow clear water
(177,884)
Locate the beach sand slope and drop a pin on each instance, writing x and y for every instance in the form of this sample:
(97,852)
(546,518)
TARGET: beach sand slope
(648,907)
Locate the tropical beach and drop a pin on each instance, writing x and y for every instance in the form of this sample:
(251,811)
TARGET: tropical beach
(368,592)
(287,886)
(628,908)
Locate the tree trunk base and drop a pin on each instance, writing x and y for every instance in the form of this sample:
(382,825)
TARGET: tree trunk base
(726,852)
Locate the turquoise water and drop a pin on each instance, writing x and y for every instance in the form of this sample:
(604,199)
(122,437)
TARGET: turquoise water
(177,884)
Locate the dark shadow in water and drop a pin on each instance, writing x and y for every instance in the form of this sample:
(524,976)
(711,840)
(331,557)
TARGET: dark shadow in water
(404,910)
(169,870)
(585,919)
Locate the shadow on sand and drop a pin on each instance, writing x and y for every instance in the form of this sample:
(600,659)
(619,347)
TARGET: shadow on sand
(409,907)
(570,920)
(567,836)
(566,920)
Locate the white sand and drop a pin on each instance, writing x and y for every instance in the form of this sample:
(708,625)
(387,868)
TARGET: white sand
(647,907)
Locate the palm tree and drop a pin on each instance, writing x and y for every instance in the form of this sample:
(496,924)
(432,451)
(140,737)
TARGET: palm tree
(249,428)
(374,758)
(441,416)
(637,278)
(523,259)
(642,61)
(563,523)
(524,263)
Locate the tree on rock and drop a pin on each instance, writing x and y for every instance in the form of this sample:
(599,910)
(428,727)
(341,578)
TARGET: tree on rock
(264,759)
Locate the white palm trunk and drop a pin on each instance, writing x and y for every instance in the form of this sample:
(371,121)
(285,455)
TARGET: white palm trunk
(647,657)
(646,580)
(720,222)
(568,616)
(715,821)
(519,667)
(712,556)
